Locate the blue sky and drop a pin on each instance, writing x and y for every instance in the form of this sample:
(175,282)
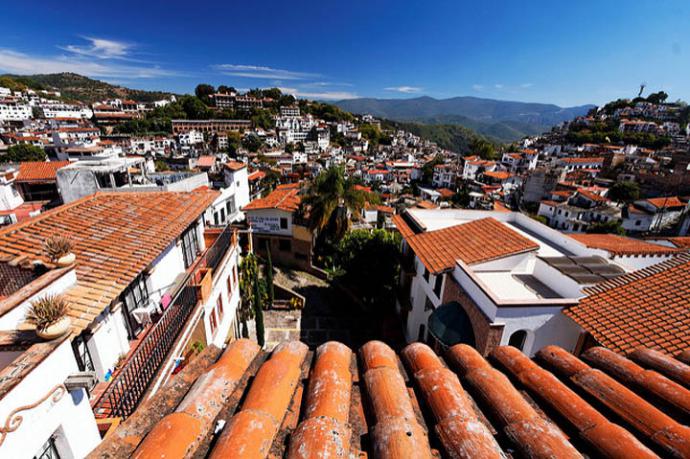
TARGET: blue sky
(563,52)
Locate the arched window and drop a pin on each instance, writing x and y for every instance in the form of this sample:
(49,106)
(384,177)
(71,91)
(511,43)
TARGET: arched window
(517,339)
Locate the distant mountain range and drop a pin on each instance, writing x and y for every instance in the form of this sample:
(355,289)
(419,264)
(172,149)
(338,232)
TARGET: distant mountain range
(503,121)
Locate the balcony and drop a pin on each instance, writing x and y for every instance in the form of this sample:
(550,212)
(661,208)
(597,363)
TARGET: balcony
(129,384)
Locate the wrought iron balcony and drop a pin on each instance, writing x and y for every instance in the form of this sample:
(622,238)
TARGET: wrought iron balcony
(130,384)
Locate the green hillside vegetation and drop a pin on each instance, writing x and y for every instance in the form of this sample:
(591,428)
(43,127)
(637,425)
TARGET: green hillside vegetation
(75,87)
(451,137)
(608,132)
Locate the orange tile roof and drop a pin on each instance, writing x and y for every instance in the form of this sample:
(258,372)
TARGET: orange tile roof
(446,193)
(256,175)
(650,308)
(474,242)
(426,205)
(115,237)
(32,171)
(583,160)
(591,196)
(234,165)
(291,405)
(499,175)
(402,226)
(206,161)
(621,245)
(284,197)
(671,201)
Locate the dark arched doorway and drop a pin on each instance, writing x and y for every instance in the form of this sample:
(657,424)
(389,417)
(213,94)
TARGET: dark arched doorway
(449,324)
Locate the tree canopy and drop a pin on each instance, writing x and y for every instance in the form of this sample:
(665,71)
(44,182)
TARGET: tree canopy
(624,192)
(330,198)
(370,261)
(23,152)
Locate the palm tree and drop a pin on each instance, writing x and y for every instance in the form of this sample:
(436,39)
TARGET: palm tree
(331,199)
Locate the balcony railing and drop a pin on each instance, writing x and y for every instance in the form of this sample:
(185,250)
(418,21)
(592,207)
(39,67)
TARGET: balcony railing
(130,384)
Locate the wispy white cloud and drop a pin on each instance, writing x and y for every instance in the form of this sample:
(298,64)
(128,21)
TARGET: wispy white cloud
(478,87)
(12,61)
(100,48)
(262,72)
(526,85)
(404,89)
(325,84)
(322,95)
(498,86)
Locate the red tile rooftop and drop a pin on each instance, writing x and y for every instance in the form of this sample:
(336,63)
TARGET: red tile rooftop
(333,403)
(621,245)
(284,197)
(234,165)
(473,242)
(39,171)
(649,308)
(115,237)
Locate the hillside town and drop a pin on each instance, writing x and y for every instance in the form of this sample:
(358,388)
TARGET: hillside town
(250,274)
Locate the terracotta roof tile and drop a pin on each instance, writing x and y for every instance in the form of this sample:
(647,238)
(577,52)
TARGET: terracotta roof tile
(474,242)
(234,165)
(252,430)
(547,407)
(115,237)
(648,308)
(530,433)
(641,415)
(671,201)
(621,245)
(32,171)
(284,197)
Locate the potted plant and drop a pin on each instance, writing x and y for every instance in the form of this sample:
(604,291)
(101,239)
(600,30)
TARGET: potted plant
(49,315)
(59,250)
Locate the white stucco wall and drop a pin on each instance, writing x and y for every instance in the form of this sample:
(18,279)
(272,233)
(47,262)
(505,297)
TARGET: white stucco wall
(260,220)
(230,299)
(108,342)
(544,326)
(165,269)
(16,316)
(70,417)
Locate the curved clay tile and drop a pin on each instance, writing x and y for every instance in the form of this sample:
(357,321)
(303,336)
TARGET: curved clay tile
(530,433)
(400,438)
(330,383)
(684,356)
(320,437)
(658,427)
(396,432)
(252,430)
(461,432)
(324,431)
(171,437)
(201,405)
(608,439)
(663,363)
(249,435)
(419,356)
(377,354)
(631,374)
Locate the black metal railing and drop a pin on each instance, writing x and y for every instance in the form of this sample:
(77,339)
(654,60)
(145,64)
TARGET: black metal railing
(217,251)
(130,384)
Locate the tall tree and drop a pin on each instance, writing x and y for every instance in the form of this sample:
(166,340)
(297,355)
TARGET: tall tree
(269,275)
(203,91)
(331,198)
(258,311)
(248,268)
